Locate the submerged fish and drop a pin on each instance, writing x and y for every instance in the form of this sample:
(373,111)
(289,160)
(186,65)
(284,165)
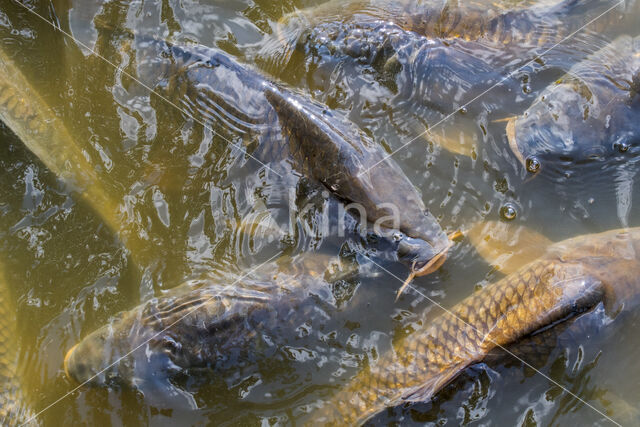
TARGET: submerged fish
(591,112)
(27,114)
(571,277)
(204,325)
(14,409)
(496,22)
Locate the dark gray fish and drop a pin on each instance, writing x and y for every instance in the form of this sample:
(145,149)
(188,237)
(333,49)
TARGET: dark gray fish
(427,62)
(593,112)
(208,325)
(498,22)
(319,143)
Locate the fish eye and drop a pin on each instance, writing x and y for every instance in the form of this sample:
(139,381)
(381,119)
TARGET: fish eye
(621,147)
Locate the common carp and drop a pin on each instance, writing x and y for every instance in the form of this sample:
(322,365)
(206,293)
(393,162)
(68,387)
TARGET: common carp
(593,112)
(571,277)
(14,409)
(27,114)
(496,22)
(283,125)
(204,325)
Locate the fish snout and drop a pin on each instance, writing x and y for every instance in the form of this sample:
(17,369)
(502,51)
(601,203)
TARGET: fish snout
(79,368)
(90,360)
(67,357)
(416,252)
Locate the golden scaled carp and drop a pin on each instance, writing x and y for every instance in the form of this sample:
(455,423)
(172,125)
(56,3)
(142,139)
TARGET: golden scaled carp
(27,114)
(593,112)
(205,325)
(570,277)
(14,409)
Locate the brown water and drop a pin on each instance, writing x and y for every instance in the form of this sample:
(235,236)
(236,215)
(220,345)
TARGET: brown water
(183,190)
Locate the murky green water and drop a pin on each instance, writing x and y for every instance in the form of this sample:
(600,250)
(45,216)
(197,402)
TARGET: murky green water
(182,192)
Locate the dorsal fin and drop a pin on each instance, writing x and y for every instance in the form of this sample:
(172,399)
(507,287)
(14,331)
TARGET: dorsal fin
(507,246)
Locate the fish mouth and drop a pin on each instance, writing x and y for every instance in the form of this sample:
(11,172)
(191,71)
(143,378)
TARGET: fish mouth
(432,265)
(66,363)
(513,143)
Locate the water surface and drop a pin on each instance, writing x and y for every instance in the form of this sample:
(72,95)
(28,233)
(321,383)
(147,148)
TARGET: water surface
(184,190)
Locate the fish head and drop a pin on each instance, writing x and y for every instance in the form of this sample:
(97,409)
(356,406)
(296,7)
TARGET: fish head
(570,124)
(612,256)
(132,350)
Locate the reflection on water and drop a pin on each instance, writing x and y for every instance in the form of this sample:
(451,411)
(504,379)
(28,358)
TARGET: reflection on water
(193,200)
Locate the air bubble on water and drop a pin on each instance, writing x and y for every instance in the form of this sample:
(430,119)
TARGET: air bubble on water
(526,89)
(508,212)
(463,110)
(533,164)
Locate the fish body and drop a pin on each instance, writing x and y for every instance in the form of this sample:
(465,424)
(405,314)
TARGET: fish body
(319,143)
(591,112)
(495,23)
(204,325)
(456,59)
(573,276)
(338,155)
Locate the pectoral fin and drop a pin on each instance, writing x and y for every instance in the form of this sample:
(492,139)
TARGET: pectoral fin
(434,384)
(505,246)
